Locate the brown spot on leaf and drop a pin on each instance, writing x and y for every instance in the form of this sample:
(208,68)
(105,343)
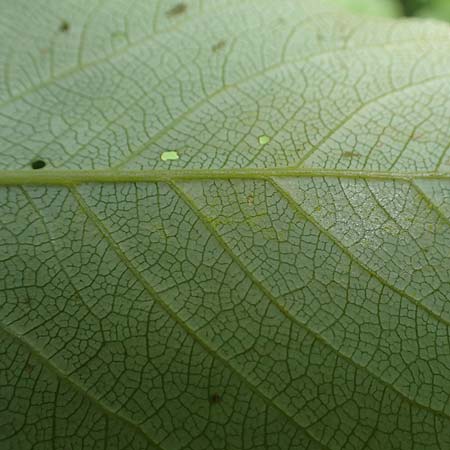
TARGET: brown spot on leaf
(351,154)
(215,399)
(177,10)
(217,47)
(250,199)
(26,300)
(76,298)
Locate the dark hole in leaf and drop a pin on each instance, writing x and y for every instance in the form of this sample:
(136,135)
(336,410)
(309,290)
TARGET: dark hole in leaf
(38,164)
(177,10)
(64,27)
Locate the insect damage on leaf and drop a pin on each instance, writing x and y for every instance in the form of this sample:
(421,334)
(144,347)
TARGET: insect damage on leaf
(263,140)
(169,156)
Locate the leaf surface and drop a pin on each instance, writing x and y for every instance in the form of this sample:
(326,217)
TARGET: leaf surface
(223,225)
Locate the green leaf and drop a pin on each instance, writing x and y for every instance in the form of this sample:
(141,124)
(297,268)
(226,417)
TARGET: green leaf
(438,9)
(387,8)
(223,225)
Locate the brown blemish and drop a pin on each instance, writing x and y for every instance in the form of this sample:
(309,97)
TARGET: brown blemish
(76,298)
(177,10)
(351,154)
(215,399)
(217,47)
(250,199)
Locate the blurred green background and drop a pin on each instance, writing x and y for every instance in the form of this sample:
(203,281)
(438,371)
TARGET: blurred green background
(438,9)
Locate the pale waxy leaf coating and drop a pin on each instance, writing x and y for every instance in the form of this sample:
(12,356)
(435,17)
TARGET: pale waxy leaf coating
(223,225)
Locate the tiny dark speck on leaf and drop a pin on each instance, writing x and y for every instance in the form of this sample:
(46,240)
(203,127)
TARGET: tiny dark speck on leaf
(177,10)
(64,27)
(215,398)
(38,164)
(217,47)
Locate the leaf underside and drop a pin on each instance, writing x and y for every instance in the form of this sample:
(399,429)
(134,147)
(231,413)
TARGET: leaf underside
(223,225)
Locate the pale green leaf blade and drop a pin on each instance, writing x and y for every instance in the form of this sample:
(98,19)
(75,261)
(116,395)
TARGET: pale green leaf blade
(388,8)
(223,225)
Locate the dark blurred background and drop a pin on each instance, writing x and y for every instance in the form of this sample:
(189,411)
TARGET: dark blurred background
(438,9)
(432,8)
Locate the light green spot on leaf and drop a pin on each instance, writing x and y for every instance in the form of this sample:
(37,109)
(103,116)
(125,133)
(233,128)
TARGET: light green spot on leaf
(170,156)
(263,140)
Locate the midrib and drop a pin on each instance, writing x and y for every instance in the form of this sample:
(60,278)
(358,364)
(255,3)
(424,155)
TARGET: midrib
(74,177)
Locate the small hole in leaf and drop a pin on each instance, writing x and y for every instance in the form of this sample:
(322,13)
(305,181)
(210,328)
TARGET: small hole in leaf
(38,164)
(64,27)
(264,140)
(177,10)
(170,156)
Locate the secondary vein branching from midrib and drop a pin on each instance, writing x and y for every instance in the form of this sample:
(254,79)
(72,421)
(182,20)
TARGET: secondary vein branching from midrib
(283,310)
(189,331)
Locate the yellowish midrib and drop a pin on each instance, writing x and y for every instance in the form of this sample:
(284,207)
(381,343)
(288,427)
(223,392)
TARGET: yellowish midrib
(74,177)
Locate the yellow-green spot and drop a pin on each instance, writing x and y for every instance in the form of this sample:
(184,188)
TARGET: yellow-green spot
(169,156)
(263,140)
